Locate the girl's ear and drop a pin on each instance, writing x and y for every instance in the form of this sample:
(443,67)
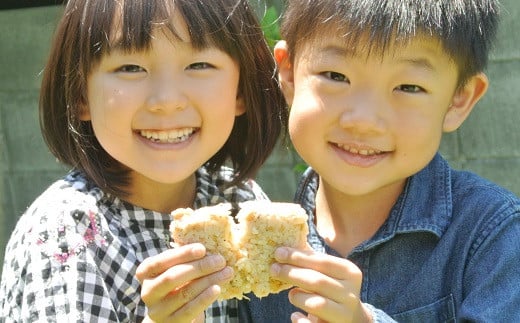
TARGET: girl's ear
(285,70)
(464,100)
(84,113)
(240,108)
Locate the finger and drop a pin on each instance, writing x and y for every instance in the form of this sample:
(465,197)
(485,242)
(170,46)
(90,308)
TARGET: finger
(298,317)
(316,282)
(152,290)
(321,309)
(164,312)
(190,291)
(156,265)
(191,298)
(338,290)
(335,267)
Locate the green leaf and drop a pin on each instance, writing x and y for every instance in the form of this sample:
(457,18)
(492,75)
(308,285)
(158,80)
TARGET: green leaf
(271,26)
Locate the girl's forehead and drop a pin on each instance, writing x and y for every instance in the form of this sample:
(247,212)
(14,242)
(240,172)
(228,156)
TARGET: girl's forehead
(127,25)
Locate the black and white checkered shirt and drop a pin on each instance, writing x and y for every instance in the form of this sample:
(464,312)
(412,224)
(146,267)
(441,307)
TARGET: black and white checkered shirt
(73,255)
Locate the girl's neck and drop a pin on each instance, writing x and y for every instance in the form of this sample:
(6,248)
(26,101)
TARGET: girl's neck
(162,197)
(345,221)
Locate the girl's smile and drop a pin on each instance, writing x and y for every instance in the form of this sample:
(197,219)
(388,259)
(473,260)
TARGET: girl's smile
(168,136)
(163,112)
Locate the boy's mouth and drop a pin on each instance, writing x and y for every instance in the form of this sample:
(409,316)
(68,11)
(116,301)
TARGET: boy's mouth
(168,136)
(359,151)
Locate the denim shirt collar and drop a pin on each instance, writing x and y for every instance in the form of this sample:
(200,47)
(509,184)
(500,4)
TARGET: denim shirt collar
(423,206)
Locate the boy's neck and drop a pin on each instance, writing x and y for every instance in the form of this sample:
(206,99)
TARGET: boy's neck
(345,221)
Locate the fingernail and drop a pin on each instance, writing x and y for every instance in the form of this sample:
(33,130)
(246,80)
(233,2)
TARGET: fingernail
(226,273)
(198,250)
(275,269)
(216,261)
(281,253)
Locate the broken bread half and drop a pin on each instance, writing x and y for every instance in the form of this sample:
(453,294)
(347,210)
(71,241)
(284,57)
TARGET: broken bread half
(248,244)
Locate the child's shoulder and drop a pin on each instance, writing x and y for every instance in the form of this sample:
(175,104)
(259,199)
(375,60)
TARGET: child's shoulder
(470,187)
(70,193)
(61,219)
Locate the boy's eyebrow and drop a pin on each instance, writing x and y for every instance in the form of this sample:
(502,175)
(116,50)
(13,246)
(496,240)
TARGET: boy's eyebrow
(344,51)
(337,50)
(419,62)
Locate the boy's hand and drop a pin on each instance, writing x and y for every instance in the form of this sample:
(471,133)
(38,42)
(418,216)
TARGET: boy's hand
(179,284)
(327,287)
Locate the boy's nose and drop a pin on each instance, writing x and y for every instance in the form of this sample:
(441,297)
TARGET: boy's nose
(363,113)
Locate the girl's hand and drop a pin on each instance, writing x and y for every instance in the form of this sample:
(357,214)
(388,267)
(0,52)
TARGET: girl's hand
(328,287)
(179,284)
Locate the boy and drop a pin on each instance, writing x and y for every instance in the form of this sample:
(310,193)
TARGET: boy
(372,85)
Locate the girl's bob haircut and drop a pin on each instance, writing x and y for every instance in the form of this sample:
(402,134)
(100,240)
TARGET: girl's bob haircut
(83,36)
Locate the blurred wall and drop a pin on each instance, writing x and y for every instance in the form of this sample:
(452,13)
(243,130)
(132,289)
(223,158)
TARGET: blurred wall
(488,143)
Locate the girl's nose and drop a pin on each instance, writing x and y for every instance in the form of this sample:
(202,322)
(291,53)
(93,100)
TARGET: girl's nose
(167,95)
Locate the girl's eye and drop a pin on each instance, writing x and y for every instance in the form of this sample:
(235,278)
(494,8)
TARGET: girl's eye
(130,68)
(200,66)
(410,88)
(335,76)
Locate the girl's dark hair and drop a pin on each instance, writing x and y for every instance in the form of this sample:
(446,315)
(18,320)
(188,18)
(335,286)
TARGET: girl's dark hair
(84,35)
(465,28)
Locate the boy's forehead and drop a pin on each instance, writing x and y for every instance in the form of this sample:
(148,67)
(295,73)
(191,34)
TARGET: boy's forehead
(363,46)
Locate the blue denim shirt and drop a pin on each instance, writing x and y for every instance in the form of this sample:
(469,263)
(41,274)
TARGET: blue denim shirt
(448,252)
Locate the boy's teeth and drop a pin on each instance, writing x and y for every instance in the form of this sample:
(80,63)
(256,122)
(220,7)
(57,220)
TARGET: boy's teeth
(364,152)
(170,136)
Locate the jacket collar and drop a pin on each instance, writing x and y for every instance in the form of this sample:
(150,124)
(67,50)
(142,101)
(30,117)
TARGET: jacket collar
(425,205)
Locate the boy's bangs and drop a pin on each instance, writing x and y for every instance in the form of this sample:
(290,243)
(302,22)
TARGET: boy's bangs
(464,27)
(369,26)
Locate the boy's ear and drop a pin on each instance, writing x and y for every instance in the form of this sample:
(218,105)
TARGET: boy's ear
(464,100)
(285,70)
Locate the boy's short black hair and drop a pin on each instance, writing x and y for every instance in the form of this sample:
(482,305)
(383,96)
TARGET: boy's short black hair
(84,34)
(465,28)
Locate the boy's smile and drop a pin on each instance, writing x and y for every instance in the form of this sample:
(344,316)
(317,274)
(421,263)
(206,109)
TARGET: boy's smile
(365,121)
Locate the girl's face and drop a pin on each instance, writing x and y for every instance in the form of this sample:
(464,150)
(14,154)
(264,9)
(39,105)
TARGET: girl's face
(165,111)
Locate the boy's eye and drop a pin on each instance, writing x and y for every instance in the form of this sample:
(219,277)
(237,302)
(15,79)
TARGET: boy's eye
(200,66)
(410,88)
(130,68)
(335,76)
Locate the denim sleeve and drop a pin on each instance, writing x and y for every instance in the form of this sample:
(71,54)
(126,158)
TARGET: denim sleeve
(490,288)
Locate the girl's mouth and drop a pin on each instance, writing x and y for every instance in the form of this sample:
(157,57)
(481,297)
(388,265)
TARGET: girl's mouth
(168,136)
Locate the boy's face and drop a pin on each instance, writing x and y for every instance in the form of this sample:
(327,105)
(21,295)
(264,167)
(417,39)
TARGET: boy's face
(366,122)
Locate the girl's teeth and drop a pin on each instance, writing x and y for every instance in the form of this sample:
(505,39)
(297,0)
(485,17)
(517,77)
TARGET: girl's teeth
(171,136)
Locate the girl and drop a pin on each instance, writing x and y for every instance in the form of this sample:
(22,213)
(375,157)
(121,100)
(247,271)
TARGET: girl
(146,101)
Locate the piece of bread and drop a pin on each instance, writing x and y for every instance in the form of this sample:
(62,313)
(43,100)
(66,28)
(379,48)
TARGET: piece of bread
(248,246)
